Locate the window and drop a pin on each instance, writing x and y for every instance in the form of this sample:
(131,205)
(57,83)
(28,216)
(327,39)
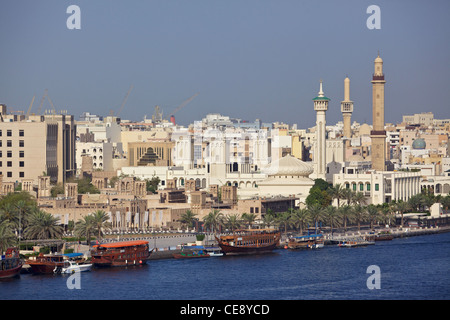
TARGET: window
(368,187)
(21,154)
(21,174)
(9,174)
(21,143)
(21,133)
(9,133)
(22,164)
(9,154)
(377,187)
(9,163)
(9,143)
(361,187)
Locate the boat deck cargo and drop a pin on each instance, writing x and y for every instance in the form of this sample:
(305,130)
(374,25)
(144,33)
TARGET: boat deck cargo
(249,241)
(120,254)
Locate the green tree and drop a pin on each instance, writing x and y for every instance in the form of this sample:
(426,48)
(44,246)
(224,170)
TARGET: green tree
(316,214)
(268,219)
(332,217)
(85,227)
(188,218)
(43,225)
(359,214)
(401,207)
(346,213)
(336,192)
(100,222)
(300,218)
(213,220)
(373,214)
(319,194)
(233,221)
(7,237)
(248,218)
(152,184)
(284,219)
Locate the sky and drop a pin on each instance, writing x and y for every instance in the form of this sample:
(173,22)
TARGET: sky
(247,59)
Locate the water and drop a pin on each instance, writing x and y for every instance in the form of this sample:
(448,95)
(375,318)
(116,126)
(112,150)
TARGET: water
(410,268)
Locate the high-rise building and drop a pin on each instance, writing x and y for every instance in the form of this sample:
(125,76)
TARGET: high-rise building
(320,106)
(378,133)
(37,146)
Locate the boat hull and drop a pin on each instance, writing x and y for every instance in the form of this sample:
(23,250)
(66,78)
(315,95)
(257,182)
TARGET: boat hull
(38,268)
(237,250)
(10,273)
(189,256)
(79,268)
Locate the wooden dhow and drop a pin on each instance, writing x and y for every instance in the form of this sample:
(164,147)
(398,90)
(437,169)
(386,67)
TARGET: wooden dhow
(249,241)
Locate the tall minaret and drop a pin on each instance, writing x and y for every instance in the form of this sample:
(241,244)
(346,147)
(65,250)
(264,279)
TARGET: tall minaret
(347,110)
(320,106)
(378,134)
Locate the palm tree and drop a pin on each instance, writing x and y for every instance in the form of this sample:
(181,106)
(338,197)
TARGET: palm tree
(249,218)
(213,220)
(100,221)
(268,220)
(43,225)
(332,217)
(316,214)
(348,195)
(337,192)
(346,213)
(300,218)
(233,221)
(85,228)
(359,214)
(372,214)
(8,211)
(401,208)
(359,198)
(188,218)
(7,237)
(284,219)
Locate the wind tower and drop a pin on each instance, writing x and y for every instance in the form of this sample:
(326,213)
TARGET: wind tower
(347,110)
(320,106)
(378,134)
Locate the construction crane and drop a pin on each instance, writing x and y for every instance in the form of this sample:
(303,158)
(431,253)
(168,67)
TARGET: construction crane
(42,102)
(124,101)
(172,115)
(51,103)
(31,104)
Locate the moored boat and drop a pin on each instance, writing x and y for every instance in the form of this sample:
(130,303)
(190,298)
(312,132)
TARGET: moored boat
(251,241)
(191,254)
(355,243)
(120,254)
(10,263)
(72,267)
(46,263)
(312,241)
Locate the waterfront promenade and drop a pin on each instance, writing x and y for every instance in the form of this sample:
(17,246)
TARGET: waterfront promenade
(165,245)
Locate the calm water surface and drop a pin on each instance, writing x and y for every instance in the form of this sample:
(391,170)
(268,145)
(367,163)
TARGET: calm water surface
(411,268)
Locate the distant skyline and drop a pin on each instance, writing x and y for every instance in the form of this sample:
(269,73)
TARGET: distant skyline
(247,59)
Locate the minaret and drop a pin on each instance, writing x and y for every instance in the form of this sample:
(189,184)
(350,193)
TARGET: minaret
(378,134)
(320,106)
(347,110)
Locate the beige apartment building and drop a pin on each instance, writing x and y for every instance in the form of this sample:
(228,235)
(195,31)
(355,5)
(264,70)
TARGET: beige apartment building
(35,146)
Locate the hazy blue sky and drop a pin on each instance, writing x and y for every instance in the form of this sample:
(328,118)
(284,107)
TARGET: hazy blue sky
(248,59)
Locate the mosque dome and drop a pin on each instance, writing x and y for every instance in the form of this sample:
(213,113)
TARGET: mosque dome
(378,59)
(419,144)
(289,166)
